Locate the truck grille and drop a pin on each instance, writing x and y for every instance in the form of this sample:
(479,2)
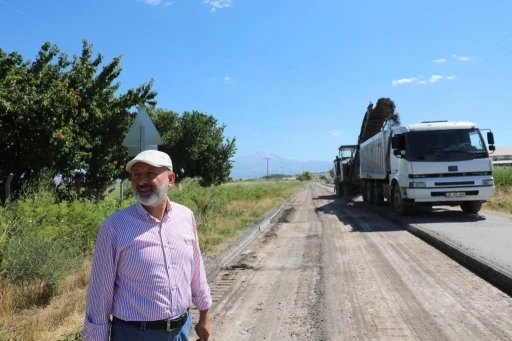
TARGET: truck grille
(454,183)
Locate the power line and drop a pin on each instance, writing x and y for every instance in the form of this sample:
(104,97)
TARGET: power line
(484,63)
(11,28)
(18,10)
(494,55)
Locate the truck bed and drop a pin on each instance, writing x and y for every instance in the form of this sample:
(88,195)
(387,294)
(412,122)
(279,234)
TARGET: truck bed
(374,156)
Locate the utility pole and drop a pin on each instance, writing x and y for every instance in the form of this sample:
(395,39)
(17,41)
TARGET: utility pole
(267,166)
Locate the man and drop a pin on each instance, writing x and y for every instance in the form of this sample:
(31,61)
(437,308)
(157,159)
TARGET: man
(147,266)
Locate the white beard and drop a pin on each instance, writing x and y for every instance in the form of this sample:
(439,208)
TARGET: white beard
(155,198)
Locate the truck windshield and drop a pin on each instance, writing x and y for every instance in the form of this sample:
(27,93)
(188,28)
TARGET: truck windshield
(441,145)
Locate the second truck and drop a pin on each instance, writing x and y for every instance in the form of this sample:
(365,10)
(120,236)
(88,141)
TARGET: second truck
(427,164)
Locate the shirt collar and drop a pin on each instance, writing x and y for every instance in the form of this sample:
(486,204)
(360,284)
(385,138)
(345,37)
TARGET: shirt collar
(142,211)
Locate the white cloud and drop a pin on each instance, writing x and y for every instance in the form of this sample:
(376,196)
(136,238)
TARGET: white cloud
(435,78)
(460,58)
(156,2)
(218,4)
(336,132)
(228,80)
(439,61)
(153,2)
(404,81)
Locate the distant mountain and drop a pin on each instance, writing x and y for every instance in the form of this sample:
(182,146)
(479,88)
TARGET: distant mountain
(255,166)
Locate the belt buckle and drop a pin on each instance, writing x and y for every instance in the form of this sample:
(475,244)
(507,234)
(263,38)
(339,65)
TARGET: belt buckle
(174,320)
(169,325)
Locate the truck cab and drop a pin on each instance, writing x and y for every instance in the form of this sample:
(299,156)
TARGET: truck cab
(440,163)
(343,170)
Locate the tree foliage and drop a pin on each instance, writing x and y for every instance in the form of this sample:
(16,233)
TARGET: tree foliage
(195,142)
(68,117)
(305,176)
(64,115)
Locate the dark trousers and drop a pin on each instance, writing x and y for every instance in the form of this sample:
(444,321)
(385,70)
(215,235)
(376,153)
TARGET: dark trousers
(124,332)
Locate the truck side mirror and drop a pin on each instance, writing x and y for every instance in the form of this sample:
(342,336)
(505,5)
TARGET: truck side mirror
(397,153)
(394,142)
(490,138)
(492,148)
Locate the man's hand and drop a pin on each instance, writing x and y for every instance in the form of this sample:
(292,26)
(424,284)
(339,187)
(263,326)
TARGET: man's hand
(203,327)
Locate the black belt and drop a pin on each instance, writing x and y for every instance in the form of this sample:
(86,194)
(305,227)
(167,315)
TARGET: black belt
(168,325)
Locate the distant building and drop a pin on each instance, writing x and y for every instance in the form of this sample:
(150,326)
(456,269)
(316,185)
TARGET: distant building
(502,156)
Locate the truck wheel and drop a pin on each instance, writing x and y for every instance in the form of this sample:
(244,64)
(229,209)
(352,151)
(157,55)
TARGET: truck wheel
(365,193)
(398,202)
(339,189)
(347,189)
(369,192)
(378,198)
(471,207)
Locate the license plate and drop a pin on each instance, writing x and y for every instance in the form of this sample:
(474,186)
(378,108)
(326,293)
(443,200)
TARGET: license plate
(455,194)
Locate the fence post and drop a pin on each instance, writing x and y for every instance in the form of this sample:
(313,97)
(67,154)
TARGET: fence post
(121,192)
(8,187)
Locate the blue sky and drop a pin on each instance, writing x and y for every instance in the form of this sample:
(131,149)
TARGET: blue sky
(292,77)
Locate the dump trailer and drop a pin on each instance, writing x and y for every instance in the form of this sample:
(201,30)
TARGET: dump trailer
(427,164)
(347,180)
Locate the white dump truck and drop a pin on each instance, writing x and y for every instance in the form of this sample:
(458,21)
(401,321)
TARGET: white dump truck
(427,164)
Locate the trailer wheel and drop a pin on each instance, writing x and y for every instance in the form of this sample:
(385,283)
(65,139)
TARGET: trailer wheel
(398,202)
(471,207)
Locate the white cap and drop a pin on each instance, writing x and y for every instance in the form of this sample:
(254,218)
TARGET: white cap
(151,157)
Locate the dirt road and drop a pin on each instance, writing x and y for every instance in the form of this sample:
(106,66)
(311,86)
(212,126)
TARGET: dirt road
(332,271)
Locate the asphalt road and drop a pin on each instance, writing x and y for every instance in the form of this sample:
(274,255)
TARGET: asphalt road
(332,269)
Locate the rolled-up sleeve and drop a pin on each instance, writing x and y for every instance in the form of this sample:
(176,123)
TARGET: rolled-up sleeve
(201,295)
(100,291)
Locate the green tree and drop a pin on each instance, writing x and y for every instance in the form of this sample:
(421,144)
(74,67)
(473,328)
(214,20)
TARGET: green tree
(196,144)
(65,115)
(305,176)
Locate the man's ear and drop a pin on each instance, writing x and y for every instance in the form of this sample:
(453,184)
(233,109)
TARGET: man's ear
(171,178)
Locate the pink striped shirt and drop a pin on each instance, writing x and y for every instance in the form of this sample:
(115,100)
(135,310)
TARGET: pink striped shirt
(144,269)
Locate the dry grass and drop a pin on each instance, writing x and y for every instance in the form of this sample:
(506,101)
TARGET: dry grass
(258,207)
(63,315)
(501,201)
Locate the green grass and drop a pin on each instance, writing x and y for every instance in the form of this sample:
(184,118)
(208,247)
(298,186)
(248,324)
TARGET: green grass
(64,233)
(502,176)
(43,242)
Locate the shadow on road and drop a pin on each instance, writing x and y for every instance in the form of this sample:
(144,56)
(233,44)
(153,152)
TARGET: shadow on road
(348,211)
(355,214)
